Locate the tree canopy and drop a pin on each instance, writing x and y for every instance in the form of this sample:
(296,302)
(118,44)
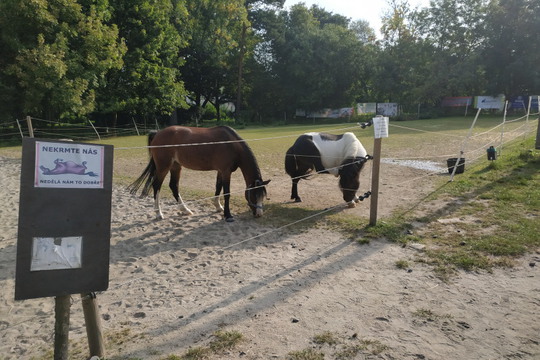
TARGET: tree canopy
(73,59)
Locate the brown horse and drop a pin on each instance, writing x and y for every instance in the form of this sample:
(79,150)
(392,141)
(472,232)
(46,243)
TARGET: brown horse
(219,148)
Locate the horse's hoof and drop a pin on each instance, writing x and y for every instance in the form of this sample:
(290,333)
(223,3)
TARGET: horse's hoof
(297,200)
(229,219)
(352,204)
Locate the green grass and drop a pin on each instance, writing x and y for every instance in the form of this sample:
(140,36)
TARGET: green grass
(338,347)
(223,340)
(505,201)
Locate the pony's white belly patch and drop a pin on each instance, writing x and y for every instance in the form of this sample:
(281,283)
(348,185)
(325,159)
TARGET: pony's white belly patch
(333,152)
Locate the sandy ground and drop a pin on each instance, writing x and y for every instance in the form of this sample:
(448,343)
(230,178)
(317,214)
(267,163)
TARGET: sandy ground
(175,282)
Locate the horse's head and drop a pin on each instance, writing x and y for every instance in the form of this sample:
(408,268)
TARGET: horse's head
(255,195)
(349,177)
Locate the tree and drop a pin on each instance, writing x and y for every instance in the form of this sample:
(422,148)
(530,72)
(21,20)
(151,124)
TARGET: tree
(149,83)
(314,64)
(257,13)
(211,58)
(55,55)
(364,32)
(400,62)
(455,30)
(512,47)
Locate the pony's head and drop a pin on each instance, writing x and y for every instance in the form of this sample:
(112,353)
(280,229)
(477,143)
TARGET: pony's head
(349,177)
(255,195)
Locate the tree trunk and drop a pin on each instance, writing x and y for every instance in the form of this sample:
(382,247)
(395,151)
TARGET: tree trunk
(240,72)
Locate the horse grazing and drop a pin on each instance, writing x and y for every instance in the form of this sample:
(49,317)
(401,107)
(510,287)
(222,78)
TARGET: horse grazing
(341,155)
(219,148)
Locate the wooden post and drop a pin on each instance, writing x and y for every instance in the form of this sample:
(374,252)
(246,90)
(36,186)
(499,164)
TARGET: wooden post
(19,126)
(380,130)
(61,327)
(501,141)
(462,151)
(537,145)
(93,127)
(136,128)
(375,182)
(93,325)
(30,128)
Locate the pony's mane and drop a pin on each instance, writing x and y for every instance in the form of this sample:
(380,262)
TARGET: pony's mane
(247,150)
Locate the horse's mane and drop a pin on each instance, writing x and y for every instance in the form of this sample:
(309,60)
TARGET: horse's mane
(247,150)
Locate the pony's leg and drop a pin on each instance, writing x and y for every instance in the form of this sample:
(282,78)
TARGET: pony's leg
(294,191)
(219,187)
(226,180)
(173,184)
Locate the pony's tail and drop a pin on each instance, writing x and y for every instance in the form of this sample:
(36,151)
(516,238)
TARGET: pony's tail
(291,167)
(148,175)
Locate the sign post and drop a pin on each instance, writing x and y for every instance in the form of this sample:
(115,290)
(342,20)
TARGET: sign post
(380,129)
(64,226)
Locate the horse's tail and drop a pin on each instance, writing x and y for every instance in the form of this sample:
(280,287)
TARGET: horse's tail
(148,175)
(151,136)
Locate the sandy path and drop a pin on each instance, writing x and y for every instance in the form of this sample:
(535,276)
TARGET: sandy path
(174,283)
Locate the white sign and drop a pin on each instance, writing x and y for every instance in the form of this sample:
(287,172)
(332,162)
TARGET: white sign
(56,253)
(387,109)
(366,108)
(62,165)
(380,127)
(489,102)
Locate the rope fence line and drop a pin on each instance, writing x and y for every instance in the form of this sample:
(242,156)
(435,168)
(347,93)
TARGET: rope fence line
(277,181)
(118,286)
(251,238)
(431,173)
(187,262)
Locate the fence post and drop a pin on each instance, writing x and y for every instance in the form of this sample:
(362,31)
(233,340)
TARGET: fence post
(375,181)
(538,128)
(30,128)
(93,127)
(380,130)
(19,126)
(502,128)
(93,325)
(136,128)
(462,151)
(61,327)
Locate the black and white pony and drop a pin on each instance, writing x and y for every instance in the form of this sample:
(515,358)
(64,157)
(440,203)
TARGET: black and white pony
(341,155)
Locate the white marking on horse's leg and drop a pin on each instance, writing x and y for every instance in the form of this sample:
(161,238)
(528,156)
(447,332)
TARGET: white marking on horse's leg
(356,198)
(157,207)
(183,208)
(217,204)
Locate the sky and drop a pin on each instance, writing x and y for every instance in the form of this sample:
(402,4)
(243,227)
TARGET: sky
(370,10)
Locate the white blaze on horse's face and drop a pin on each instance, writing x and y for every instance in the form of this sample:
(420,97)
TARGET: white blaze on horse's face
(255,196)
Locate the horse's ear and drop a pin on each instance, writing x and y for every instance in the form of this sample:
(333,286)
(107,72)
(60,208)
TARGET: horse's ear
(265,182)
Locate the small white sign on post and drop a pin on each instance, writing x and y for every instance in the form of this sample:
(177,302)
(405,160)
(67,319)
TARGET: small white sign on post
(66,165)
(380,127)
(56,253)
